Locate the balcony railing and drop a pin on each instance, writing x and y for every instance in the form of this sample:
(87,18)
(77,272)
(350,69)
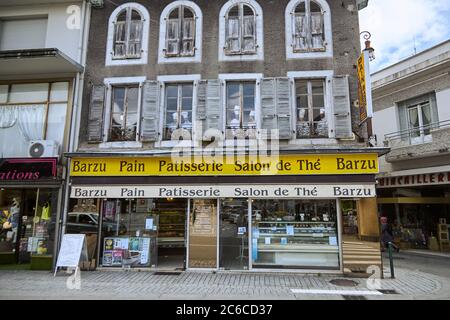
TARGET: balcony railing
(414,136)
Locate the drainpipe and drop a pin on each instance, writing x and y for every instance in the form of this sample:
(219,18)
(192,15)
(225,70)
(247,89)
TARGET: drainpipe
(75,119)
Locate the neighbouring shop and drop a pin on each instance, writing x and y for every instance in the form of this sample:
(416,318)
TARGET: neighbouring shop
(29,199)
(149,215)
(418,209)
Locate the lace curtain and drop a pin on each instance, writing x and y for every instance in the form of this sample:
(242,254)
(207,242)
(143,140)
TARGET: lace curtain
(29,119)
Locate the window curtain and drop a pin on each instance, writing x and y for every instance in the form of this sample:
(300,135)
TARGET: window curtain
(173,30)
(8,117)
(188,37)
(317,31)
(29,119)
(300,32)
(134,46)
(233,35)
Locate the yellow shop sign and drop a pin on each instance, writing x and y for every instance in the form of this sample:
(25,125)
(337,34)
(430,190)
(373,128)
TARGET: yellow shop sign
(238,165)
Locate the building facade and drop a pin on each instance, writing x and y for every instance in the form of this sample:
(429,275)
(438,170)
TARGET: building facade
(41,67)
(411,103)
(223,135)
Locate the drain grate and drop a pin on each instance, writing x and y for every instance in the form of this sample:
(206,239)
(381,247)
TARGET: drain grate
(162,273)
(388,291)
(354,298)
(344,283)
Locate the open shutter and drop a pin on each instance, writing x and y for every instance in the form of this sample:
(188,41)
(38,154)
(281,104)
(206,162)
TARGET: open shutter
(188,37)
(342,112)
(150,111)
(249,34)
(135,41)
(96,110)
(268,104)
(317,32)
(173,37)
(284,109)
(213,108)
(201,111)
(233,44)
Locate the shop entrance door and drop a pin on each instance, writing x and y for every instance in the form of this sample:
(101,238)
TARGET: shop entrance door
(172,216)
(233,242)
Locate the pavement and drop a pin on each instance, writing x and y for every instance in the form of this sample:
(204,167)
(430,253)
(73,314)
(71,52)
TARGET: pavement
(416,278)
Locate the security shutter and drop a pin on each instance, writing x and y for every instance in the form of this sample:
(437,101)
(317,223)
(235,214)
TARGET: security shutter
(96,110)
(284,109)
(213,107)
(150,111)
(342,112)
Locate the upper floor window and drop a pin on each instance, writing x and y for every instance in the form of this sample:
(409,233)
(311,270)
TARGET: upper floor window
(178,110)
(180,32)
(124,113)
(310,109)
(128,35)
(241,31)
(241,108)
(308,29)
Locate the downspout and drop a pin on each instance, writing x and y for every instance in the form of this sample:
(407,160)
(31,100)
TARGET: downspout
(75,118)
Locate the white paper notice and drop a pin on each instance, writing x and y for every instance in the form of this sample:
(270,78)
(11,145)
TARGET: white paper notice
(267,241)
(290,230)
(333,241)
(149,224)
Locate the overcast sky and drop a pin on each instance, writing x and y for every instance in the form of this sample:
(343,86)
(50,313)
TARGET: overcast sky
(397,24)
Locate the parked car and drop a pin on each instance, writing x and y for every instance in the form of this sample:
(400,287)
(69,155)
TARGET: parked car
(88,222)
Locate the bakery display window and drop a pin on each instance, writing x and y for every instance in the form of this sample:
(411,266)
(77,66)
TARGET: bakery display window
(296,234)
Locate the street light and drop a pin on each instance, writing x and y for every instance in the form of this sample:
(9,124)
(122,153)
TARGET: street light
(367,35)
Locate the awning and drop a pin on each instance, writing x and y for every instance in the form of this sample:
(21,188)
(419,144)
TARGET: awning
(33,62)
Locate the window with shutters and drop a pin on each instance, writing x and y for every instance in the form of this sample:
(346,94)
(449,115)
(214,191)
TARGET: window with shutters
(241,31)
(180,32)
(128,35)
(308,28)
(240,109)
(310,109)
(178,110)
(124,113)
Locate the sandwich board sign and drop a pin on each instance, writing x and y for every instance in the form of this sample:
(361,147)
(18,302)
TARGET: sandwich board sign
(73,251)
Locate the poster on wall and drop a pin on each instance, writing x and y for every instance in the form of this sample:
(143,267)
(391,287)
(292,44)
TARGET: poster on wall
(203,222)
(126,252)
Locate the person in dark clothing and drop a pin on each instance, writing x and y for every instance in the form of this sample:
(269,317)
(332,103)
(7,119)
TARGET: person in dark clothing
(387,235)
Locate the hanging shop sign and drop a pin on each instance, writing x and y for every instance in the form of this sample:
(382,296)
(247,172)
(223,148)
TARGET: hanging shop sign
(224,191)
(245,165)
(28,169)
(364,87)
(428,179)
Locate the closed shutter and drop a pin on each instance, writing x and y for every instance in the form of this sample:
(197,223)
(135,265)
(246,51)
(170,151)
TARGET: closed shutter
(150,111)
(268,104)
(213,108)
(96,110)
(342,112)
(284,109)
(201,111)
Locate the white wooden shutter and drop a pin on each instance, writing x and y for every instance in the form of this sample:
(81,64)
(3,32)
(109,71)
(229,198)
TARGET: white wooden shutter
(284,109)
(200,122)
(213,107)
(268,104)
(173,37)
(150,111)
(96,110)
(342,108)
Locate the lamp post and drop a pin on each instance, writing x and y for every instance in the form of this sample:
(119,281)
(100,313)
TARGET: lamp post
(371,51)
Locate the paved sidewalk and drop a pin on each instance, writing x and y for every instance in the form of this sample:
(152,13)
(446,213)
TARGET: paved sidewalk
(198,286)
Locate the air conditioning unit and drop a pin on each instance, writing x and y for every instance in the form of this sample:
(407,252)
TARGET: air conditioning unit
(43,149)
(98,4)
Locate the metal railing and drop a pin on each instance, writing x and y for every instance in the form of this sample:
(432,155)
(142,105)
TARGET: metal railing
(413,136)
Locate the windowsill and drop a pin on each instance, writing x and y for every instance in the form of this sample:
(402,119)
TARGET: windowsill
(180,59)
(313,141)
(121,145)
(178,144)
(309,55)
(126,62)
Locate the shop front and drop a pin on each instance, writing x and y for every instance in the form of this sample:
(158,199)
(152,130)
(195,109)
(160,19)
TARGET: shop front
(29,200)
(417,206)
(144,216)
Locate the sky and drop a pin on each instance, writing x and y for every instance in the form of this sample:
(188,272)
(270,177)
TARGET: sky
(399,26)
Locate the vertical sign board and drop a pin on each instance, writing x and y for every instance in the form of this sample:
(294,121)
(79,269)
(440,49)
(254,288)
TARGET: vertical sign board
(364,88)
(73,251)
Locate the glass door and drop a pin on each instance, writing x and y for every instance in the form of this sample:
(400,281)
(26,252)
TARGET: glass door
(233,241)
(202,250)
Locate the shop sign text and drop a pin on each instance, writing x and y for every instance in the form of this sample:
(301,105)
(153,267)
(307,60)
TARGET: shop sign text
(415,180)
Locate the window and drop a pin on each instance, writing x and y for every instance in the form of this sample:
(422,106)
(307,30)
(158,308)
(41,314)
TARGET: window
(128,35)
(30,112)
(308,29)
(419,121)
(23,33)
(124,113)
(178,109)
(241,31)
(181,33)
(310,109)
(241,112)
